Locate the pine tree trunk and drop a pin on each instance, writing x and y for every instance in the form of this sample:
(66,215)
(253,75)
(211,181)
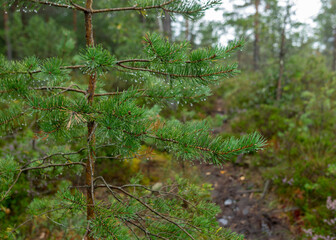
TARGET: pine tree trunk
(187,29)
(167,26)
(256,36)
(191,35)
(7,36)
(334,52)
(90,164)
(281,64)
(239,57)
(282,53)
(74,20)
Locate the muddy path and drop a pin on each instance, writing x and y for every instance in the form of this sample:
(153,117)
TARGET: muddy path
(246,205)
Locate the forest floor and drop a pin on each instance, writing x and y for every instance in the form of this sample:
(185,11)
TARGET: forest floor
(247,207)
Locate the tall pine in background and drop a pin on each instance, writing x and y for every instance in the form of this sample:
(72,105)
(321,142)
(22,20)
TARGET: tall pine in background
(327,30)
(80,122)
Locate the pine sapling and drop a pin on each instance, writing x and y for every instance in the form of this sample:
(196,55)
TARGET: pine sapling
(80,122)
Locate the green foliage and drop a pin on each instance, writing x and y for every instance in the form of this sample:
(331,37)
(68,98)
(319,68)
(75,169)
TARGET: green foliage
(299,159)
(325,21)
(191,8)
(10,118)
(97,60)
(72,123)
(48,36)
(188,204)
(193,137)
(176,61)
(8,169)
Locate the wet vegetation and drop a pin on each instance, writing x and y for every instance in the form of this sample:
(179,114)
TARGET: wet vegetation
(174,128)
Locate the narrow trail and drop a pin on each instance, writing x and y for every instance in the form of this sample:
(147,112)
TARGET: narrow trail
(248,206)
(243,208)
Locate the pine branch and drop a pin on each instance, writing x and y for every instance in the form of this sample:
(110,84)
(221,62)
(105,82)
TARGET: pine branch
(158,193)
(143,95)
(49,88)
(53,4)
(32,218)
(11,186)
(147,232)
(217,52)
(193,139)
(36,168)
(67,89)
(151,209)
(53,165)
(134,8)
(116,93)
(232,70)
(11,118)
(177,61)
(133,61)
(99,60)
(55,155)
(150,190)
(235,151)
(109,187)
(171,6)
(40,70)
(188,8)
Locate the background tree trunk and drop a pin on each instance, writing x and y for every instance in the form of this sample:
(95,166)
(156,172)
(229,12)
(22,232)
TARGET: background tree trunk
(187,29)
(167,29)
(282,52)
(256,48)
(74,20)
(7,35)
(334,51)
(281,63)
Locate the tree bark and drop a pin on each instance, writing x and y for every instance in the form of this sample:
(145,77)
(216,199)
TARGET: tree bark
(7,36)
(167,26)
(281,64)
(187,29)
(239,57)
(256,48)
(74,20)
(191,35)
(282,52)
(90,164)
(334,51)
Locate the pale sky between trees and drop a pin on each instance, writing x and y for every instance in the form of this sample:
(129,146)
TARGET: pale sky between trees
(306,11)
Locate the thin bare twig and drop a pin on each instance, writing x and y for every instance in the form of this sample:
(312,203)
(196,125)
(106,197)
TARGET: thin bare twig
(62,88)
(53,4)
(147,232)
(39,71)
(115,93)
(11,186)
(35,168)
(150,208)
(54,155)
(54,165)
(134,8)
(108,187)
(31,218)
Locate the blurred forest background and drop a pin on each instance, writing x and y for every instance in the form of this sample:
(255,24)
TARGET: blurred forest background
(286,91)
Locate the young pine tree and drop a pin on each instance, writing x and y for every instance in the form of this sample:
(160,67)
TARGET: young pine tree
(80,122)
